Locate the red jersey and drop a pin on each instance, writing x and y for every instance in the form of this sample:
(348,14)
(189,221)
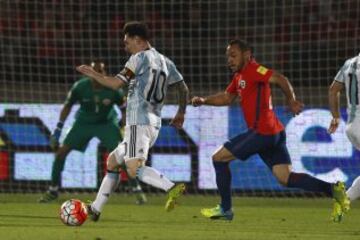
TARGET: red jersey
(253,87)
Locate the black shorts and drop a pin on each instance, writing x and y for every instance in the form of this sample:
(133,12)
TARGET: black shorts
(271,148)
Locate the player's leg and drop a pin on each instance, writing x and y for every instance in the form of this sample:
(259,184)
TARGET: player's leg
(108,183)
(353,133)
(109,135)
(138,141)
(77,139)
(223,211)
(57,169)
(221,159)
(304,181)
(278,159)
(241,147)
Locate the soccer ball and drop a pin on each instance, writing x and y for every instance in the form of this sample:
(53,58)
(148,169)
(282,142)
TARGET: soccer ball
(73,212)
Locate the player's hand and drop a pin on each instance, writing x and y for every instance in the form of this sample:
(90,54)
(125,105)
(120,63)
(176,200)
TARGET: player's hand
(54,139)
(178,120)
(296,106)
(334,124)
(86,70)
(197,101)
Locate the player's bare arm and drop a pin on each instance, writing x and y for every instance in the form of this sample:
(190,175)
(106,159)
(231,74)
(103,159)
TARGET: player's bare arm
(219,99)
(183,95)
(334,104)
(65,111)
(107,81)
(295,106)
(55,136)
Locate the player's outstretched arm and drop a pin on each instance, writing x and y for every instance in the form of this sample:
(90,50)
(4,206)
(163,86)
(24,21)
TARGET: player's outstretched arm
(183,96)
(295,106)
(219,99)
(107,81)
(55,136)
(334,105)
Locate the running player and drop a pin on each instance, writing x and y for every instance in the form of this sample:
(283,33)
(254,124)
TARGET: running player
(147,74)
(265,136)
(347,77)
(96,117)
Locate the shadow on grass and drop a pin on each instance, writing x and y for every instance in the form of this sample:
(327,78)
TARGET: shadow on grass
(27,216)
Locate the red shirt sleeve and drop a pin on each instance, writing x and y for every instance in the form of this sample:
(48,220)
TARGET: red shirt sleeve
(232,87)
(261,74)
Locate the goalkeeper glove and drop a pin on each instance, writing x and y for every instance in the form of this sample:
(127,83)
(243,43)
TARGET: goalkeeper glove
(54,139)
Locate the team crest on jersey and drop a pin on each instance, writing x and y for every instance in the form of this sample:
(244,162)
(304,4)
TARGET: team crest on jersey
(106,102)
(242,84)
(262,70)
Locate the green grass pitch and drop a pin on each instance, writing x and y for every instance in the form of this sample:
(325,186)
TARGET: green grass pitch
(255,218)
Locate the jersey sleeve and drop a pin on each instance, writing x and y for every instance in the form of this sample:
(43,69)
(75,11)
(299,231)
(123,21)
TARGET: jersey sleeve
(72,96)
(232,87)
(261,74)
(136,63)
(132,68)
(174,75)
(340,76)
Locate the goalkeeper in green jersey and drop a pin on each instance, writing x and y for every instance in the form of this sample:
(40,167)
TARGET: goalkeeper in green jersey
(96,117)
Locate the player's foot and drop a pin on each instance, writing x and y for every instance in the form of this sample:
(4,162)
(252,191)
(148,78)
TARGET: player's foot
(94,215)
(140,198)
(337,213)
(340,196)
(173,195)
(217,213)
(49,196)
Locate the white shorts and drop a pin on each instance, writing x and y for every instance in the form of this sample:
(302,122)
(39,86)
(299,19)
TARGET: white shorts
(353,132)
(137,141)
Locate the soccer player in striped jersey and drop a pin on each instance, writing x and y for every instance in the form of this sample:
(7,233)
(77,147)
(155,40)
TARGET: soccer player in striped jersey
(147,74)
(265,135)
(96,117)
(348,77)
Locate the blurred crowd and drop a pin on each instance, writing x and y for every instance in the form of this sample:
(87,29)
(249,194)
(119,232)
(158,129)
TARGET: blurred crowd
(43,40)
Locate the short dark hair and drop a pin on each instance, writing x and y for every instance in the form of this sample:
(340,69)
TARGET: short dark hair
(242,44)
(136,28)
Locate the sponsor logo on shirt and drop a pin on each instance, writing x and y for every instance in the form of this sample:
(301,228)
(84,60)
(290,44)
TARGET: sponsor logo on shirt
(262,70)
(242,84)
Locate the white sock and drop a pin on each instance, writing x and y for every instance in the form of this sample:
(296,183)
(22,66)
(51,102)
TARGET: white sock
(154,178)
(107,186)
(354,191)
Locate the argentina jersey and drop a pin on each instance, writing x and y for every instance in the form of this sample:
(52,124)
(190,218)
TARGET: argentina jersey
(152,74)
(349,75)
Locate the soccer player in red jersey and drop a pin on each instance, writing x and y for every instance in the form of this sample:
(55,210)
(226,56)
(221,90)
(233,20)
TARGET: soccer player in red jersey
(265,135)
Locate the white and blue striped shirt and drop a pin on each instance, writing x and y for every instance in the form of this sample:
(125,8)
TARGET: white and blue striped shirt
(153,73)
(349,74)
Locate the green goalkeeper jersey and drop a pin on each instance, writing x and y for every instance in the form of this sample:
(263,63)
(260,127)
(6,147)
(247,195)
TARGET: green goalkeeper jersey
(96,105)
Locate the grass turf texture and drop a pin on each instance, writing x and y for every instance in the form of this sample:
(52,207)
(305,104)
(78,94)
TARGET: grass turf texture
(21,217)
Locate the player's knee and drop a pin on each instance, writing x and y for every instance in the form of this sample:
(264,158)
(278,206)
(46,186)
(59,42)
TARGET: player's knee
(217,157)
(283,181)
(132,172)
(132,167)
(111,163)
(282,173)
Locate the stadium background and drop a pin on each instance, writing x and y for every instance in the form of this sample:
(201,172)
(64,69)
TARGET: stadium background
(42,41)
